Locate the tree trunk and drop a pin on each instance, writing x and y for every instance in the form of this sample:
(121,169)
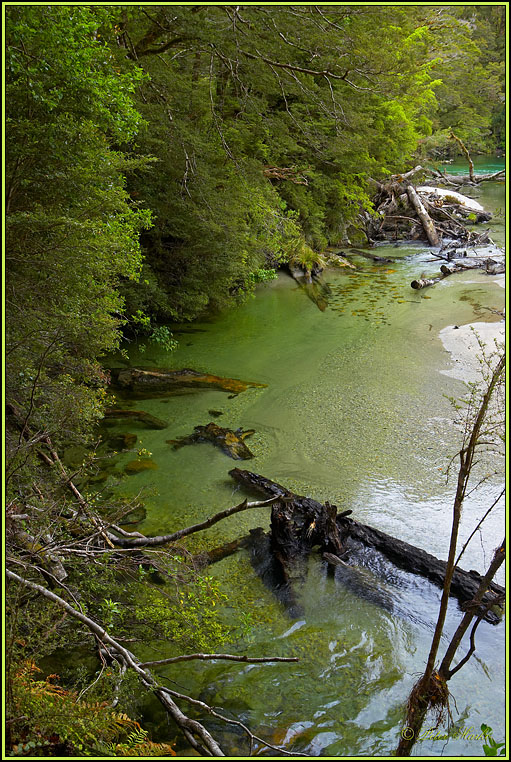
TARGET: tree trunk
(465,151)
(424,217)
(425,282)
(465,179)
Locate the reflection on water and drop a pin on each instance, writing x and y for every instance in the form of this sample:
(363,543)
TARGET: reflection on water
(355,413)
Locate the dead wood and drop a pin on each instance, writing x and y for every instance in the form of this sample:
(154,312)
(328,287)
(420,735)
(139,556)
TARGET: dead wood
(425,282)
(297,525)
(408,557)
(466,180)
(230,442)
(373,257)
(221,657)
(158,380)
(142,542)
(427,222)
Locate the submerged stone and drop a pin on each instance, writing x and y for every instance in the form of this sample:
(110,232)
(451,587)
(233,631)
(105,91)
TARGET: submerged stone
(122,441)
(148,420)
(136,466)
(135,516)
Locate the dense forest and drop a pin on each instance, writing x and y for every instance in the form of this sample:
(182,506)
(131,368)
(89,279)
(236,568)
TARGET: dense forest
(161,162)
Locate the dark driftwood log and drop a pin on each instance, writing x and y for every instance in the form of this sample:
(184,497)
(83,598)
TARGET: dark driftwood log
(297,525)
(402,554)
(373,257)
(230,442)
(427,222)
(138,415)
(222,551)
(158,380)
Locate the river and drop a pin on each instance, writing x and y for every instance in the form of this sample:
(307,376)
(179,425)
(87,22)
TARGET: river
(355,411)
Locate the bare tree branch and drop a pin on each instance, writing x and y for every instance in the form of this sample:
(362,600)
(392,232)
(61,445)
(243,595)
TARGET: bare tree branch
(226,657)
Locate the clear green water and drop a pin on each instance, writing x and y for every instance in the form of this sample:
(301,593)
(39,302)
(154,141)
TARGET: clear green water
(354,413)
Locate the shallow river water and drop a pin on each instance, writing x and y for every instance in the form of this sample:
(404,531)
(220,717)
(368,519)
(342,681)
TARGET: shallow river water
(354,412)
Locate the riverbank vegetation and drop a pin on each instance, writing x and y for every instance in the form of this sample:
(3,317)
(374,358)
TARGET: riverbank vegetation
(161,161)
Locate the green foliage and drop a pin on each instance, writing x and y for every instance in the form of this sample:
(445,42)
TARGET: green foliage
(55,719)
(468,64)
(190,616)
(491,748)
(71,229)
(254,151)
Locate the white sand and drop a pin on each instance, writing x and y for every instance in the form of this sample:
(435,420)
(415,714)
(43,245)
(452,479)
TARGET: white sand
(463,345)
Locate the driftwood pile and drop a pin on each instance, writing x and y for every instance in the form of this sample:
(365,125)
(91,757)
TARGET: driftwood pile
(403,212)
(457,260)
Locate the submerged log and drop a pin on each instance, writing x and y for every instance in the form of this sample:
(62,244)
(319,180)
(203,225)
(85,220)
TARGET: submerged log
(373,257)
(152,380)
(138,415)
(214,555)
(402,554)
(230,442)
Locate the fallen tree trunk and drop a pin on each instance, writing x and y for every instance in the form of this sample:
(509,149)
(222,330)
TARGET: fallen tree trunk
(152,380)
(230,442)
(424,217)
(425,282)
(373,257)
(491,266)
(488,265)
(297,525)
(466,180)
(402,554)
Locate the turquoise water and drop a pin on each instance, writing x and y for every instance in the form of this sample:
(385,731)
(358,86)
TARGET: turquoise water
(482,165)
(354,412)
